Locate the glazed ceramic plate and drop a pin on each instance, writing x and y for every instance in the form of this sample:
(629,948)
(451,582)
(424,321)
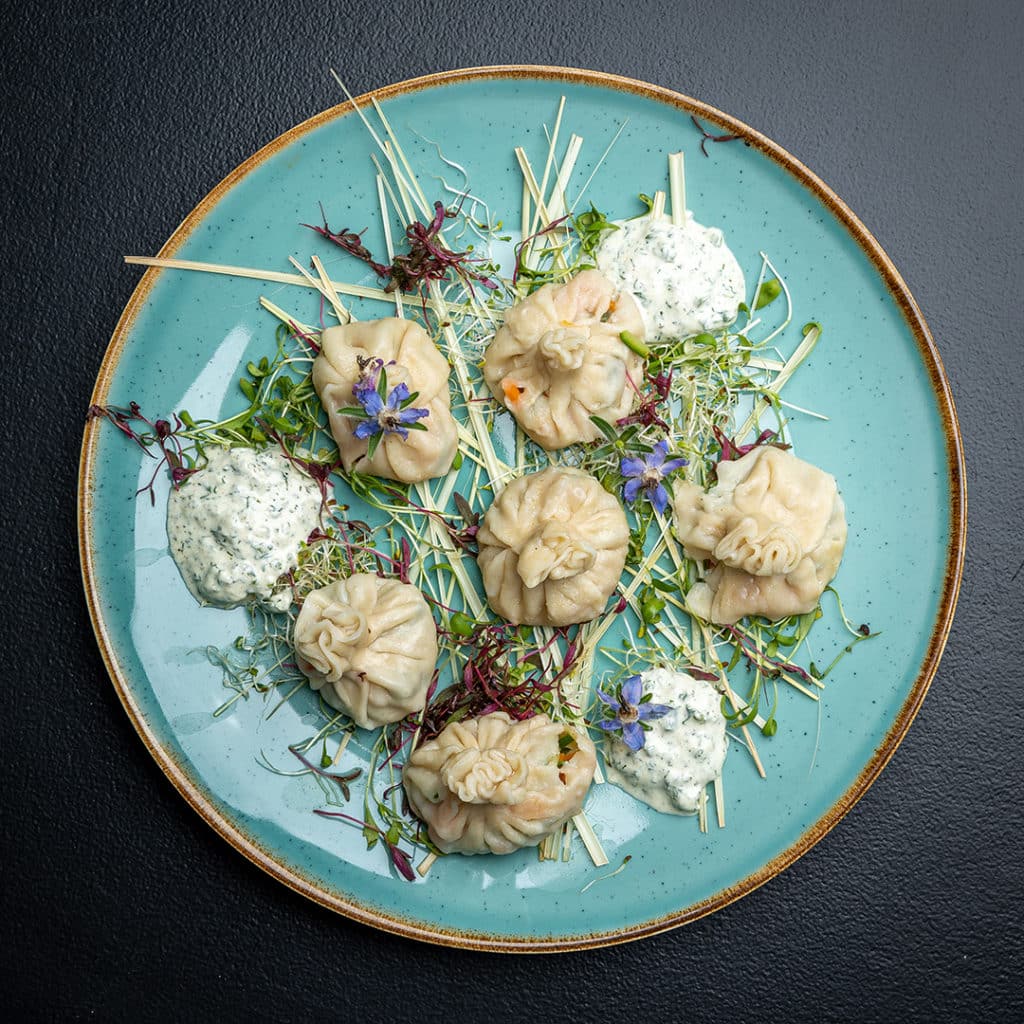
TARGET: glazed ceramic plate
(891,439)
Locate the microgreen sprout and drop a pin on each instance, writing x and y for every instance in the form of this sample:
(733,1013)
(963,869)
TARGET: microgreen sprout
(707,136)
(627,710)
(732,450)
(590,227)
(372,833)
(769,291)
(428,258)
(342,779)
(166,438)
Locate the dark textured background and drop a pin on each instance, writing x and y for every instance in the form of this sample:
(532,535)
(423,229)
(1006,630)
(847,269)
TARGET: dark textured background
(118,903)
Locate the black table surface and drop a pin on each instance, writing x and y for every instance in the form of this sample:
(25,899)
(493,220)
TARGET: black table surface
(116,900)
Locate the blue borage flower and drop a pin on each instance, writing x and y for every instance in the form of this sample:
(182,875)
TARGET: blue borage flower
(628,709)
(381,412)
(647,474)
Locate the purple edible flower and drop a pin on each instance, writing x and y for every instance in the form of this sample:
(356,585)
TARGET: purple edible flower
(629,708)
(647,474)
(393,416)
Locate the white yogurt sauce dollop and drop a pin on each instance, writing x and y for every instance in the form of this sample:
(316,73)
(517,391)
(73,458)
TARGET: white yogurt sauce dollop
(682,752)
(235,527)
(684,278)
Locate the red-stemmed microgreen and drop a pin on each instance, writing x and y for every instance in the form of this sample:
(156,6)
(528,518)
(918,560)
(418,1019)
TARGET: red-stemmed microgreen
(707,136)
(372,833)
(427,258)
(536,276)
(351,242)
(162,434)
(732,449)
(650,410)
(341,779)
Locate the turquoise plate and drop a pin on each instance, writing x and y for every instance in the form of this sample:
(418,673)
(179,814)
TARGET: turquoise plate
(892,440)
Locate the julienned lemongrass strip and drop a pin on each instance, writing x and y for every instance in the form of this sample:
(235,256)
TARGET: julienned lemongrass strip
(803,350)
(393,148)
(382,179)
(677,188)
(549,162)
(645,567)
(286,318)
(720,801)
(313,282)
(658,205)
(346,738)
(357,291)
(409,182)
(423,488)
(557,203)
(590,840)
(538,200)
(766,265)
(541,216)
(524,223)
(381,182)
(597,166)
(340,310)
(800,408)
(426,864)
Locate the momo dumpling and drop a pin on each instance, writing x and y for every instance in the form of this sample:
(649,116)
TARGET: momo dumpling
(369,646)
(774,526)
(349,352)
(494,785)
(558,359)
(552,548)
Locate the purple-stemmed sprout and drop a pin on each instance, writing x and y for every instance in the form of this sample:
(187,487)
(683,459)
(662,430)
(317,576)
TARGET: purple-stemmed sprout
(382,412)
(648,412)
(647,474)
(627,711)
(707,136)
(399,858)
(731,450)
(342,779)
(427,259)
(164,436)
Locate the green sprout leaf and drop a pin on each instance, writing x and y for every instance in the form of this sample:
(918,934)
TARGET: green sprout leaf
(769,291)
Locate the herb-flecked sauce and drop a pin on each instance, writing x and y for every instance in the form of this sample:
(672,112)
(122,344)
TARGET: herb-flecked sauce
(683,751)
(684,277)
(235,527)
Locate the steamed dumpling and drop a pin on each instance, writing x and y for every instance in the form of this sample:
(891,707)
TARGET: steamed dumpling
(552,548)
(409,358)
(369,645)
(774,525)
(494,785)
(558,359)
